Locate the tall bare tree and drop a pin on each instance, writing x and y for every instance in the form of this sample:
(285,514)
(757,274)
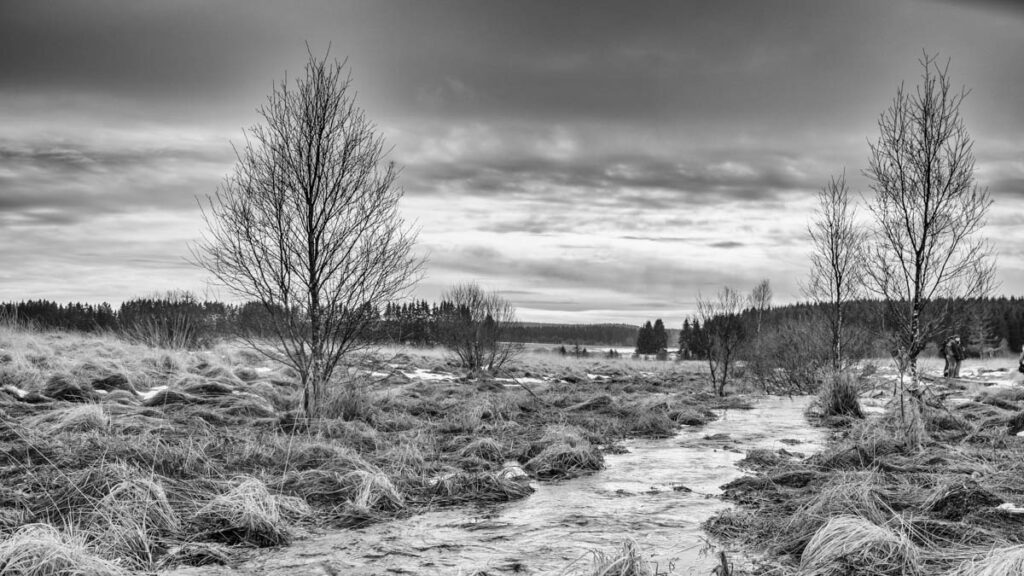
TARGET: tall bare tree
(837,261)
(723,328)
(474,326)
(929,212)
(759,301)
(308,225)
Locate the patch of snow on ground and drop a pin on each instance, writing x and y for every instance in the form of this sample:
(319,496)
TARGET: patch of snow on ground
(263,369)
(152,392)
(1010,507)
(598,377)
(427,375)
(524,380)
(16,391)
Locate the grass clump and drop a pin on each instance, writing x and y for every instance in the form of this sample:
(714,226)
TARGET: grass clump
(839,396)
(81,418)
(1004,561)
(485,449)
(42,550)
(627,561)
(247,514)
(463,487)
(564,460)
(853,546)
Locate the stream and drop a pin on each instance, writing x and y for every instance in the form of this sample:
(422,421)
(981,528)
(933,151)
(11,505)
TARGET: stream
(658,494)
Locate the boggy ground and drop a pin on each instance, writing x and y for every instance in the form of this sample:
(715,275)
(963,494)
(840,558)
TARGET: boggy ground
(939,490)
(117,458)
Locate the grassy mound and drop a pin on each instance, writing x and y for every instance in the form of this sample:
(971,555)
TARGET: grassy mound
(247,514)
(42,550)
(853,546)
(564,460)
(462,488)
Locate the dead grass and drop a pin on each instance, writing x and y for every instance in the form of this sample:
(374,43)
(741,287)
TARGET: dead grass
(42,550)
(851,545)
(148,448)
(246,514)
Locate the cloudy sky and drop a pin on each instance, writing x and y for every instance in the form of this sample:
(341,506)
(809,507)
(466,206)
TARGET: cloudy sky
(595,161)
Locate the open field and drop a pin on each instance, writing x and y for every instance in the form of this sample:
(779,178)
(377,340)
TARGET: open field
(125,458)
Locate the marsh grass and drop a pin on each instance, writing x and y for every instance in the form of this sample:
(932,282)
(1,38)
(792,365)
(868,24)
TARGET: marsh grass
(853,545)
(157,457)
(42,550)
(246,514)
(627,561)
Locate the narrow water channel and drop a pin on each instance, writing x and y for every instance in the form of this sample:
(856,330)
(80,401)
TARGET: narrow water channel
(657,494)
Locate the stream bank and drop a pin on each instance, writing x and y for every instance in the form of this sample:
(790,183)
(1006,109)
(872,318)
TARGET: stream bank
(657,493)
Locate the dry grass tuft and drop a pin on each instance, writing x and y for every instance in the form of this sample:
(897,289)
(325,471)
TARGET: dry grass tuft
(484,448)
(851,545)
(82,418)
(626,562)
(1007,561)
(42,550)
(247,514)
(374,490)
(959,497)
(563,460)
(462,488)
(839,396)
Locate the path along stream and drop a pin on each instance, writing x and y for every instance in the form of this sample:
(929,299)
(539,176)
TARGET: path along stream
(638,495)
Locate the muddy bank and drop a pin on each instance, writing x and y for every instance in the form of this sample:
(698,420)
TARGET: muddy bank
(658,493)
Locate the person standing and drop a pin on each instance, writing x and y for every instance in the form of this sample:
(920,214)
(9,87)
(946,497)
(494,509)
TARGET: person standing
(952,352)
(958,356)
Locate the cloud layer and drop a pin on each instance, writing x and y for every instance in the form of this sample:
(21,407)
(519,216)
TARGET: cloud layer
(595,161)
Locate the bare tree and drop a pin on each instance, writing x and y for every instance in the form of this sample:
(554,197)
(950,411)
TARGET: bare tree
(308,225)
(837,262)
(928,210)
(723,328)
(759,301)
(473,326)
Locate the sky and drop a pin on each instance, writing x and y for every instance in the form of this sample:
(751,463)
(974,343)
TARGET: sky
(593,161)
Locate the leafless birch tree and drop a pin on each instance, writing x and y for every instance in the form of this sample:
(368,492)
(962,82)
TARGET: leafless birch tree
(308,225)
(929,212)
(759,301)
(837,262)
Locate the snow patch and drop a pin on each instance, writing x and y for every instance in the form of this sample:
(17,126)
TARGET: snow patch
(427,375)
(152,392)
(15,390)
(524,380)
(1010,507)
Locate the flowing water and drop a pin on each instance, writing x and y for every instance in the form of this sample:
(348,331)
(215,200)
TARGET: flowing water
(656,494)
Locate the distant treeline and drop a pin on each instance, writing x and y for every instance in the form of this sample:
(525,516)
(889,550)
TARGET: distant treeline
(407,322)
(985,325)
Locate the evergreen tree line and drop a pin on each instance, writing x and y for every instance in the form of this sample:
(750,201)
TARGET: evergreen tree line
(416,322)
